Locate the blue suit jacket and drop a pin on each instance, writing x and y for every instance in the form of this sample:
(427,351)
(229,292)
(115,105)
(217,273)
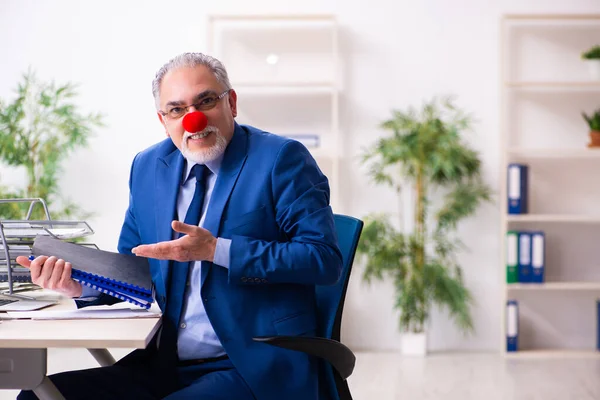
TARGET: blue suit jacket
(272,200)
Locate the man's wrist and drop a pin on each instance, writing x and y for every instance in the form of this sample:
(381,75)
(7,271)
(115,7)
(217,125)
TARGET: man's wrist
(79,290)
(213,248)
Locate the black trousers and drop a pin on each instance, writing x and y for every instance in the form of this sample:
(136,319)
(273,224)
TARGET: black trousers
(140,375)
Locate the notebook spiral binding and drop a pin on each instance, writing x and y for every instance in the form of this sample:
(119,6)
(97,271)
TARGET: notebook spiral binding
(130,293)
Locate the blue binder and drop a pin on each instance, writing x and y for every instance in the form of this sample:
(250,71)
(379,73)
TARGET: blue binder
(512,325)
(524,257)
(598,324)
(538,256)
(123,276)
(517,188)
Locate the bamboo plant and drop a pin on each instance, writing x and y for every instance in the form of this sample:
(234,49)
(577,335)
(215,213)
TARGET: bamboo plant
(39,129)
(426,152)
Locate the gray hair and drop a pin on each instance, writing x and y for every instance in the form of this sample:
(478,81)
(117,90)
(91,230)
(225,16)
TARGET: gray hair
(190,60)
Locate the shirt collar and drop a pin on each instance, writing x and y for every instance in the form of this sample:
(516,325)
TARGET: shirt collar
(214,166)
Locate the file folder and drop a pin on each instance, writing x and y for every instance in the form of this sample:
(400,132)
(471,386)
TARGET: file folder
(524,271)
(598,324)
(126,277)
(517,188)
(538,257)
(512,325)
(512,256)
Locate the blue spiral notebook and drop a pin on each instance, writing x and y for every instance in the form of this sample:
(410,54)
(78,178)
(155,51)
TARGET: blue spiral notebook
(126,277)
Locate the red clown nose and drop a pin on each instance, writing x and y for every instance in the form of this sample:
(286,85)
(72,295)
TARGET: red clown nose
(195,122)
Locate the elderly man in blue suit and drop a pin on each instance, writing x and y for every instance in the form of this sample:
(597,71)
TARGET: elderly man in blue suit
(245,264)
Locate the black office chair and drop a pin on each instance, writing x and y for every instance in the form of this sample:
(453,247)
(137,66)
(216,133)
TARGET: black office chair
(338,359)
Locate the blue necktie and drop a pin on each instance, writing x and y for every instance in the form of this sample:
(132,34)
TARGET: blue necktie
(179,270)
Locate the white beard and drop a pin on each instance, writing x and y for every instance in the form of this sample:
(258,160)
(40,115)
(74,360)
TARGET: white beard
(205,155)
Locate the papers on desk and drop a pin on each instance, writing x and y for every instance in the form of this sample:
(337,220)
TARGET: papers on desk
(84,313)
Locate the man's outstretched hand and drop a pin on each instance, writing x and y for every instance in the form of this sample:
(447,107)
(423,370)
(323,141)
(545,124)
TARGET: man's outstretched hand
(198,244)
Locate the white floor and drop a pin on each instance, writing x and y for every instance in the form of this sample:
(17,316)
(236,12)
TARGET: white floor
(379,376)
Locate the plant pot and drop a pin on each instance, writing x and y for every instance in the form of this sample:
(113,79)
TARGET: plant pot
(594,69)
(594,139)
(414,344)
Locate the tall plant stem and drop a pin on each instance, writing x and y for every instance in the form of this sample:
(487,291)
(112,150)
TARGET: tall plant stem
(420,235)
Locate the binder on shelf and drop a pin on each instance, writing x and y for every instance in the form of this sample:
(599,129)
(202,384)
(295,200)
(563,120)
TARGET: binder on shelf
(524,270)
(538,258)
(512,256)
(598,324)
(517,188)
(512,325)
(126,277)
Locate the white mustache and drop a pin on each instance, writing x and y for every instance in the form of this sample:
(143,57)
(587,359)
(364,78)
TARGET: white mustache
(208,129)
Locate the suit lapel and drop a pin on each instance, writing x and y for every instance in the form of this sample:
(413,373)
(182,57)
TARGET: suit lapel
(233,160)
(168,177)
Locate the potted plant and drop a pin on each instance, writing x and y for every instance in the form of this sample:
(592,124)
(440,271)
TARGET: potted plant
(592,58)
(38,129)
(593,121)
(426,153)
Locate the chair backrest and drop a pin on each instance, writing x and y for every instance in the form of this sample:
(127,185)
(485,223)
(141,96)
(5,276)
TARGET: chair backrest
(330,305)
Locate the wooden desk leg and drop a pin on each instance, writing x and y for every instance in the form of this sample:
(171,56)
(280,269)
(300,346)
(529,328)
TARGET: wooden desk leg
(47,391)
(103,357)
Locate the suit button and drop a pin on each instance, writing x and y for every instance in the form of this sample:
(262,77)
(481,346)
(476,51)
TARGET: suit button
(183,325)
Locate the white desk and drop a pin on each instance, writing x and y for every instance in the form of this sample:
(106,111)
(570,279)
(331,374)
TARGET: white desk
(24,344)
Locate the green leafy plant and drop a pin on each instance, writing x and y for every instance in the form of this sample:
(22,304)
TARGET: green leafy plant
(593,120)
(591,54)
(427,153)
(38,129)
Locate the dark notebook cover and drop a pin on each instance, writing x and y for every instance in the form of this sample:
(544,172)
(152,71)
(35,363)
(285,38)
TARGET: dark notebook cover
(129,269)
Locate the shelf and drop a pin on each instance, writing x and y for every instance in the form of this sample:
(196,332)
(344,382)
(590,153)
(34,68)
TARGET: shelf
(551,17)
(275,22)
(553,286)
(544,87)
(554,86)
(557,353)
(583,153)
(287,72)
(592,22)
(287,89)
(554,218)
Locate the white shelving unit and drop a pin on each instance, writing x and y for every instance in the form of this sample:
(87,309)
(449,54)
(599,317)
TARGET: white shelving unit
(589,219)
(544,88)
(554,354)
(286,72)
(565,286)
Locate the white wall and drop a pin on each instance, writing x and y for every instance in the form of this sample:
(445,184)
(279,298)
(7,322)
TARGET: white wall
(396,53)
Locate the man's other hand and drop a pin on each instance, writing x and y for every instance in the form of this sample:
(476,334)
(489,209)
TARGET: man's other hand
(198,244)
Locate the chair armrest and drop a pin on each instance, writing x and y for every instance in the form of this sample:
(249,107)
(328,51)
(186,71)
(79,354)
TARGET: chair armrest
(337,354)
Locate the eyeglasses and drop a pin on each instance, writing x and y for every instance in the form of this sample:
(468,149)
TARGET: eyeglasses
(206,103)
